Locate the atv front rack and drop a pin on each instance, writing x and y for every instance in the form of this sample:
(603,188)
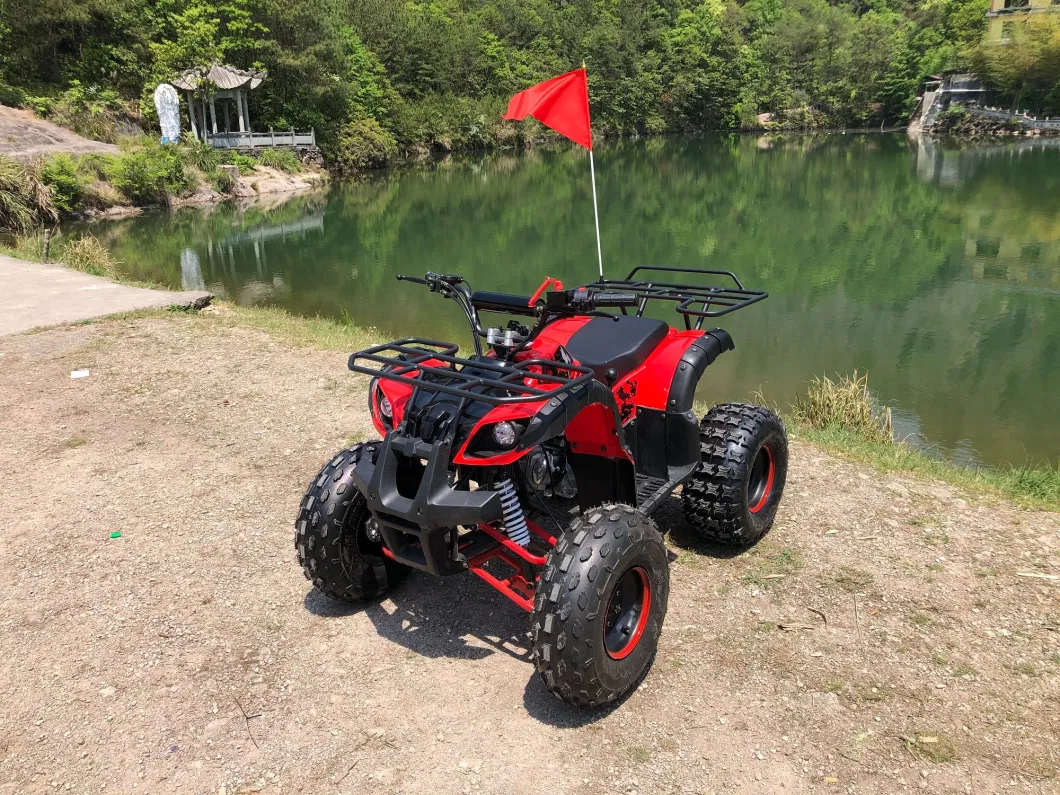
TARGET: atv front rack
(693,300)
(480,379)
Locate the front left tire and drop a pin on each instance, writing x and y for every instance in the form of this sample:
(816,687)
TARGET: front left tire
(600,605)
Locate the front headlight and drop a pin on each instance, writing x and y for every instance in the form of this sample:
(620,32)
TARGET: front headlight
(504,434)
(384,407)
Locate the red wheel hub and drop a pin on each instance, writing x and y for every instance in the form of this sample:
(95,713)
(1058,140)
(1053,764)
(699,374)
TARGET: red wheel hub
(760,483)
(627,613)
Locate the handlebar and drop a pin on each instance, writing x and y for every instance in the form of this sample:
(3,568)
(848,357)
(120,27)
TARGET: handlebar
(558,303)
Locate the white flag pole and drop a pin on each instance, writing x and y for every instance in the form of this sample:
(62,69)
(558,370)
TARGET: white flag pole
(596,216)
(592,172)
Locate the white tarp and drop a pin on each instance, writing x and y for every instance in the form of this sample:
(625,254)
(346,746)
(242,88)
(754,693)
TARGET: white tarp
(167,103)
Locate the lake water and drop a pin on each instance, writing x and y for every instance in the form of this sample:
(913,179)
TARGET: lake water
(937,271)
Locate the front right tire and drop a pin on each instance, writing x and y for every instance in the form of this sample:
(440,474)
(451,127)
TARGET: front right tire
(600,605)
(333,547)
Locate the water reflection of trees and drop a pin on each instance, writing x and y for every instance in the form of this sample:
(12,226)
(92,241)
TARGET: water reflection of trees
(944,292)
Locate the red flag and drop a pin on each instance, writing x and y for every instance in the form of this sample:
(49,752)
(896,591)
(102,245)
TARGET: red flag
(561,103)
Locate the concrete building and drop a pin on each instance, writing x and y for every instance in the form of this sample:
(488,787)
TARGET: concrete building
(1004,15)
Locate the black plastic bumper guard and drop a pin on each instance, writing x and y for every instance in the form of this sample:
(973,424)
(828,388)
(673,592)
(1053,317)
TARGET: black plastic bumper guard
(414,529)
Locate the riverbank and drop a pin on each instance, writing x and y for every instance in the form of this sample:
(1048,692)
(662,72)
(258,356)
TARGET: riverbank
(143,175)
(200,660)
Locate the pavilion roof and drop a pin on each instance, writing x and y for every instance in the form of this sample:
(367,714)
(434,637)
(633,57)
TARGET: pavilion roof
(220,75)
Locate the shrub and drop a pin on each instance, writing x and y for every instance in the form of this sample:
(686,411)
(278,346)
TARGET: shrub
(200,155)
(149,175)
(90,111)
(243,162)
(11,96)
(363,143)
(282,159)
(94,166)
(89,255)
(846,404)
(24,199)
(60,174)
(223,180)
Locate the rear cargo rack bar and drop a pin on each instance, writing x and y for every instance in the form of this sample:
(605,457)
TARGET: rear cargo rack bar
(693,300)
(408,365)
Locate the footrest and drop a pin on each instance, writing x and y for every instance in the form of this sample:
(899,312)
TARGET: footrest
(652,491)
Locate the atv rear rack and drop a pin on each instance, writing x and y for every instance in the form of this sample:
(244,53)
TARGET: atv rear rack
(715,300)
(478,379)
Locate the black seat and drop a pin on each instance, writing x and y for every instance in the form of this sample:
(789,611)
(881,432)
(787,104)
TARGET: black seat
(623,344)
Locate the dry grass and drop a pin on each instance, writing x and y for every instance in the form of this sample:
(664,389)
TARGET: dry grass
(89,255)
(24,199)
(845,403)
(84,253)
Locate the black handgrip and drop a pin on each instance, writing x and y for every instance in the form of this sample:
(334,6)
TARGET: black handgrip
(502,302)
(615,299)
(414,279)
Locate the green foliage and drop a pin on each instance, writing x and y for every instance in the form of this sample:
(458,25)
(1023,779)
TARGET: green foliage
(1026,70)
(200,155)
(149,175)
(437,74)
(60,173)
(223,180)
(94,112)
(282,159)
(245,163)
(363,144)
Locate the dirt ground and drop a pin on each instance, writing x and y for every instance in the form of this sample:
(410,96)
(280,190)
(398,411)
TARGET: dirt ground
(881,639)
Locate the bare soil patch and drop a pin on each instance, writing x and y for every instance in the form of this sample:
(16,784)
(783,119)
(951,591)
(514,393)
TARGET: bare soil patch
(883,638)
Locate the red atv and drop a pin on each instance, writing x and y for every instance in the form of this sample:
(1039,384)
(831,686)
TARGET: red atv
(578,411)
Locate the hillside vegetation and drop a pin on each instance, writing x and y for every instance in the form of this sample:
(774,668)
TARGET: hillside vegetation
(380,77)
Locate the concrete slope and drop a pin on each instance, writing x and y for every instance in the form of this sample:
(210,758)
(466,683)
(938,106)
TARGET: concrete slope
(34,295)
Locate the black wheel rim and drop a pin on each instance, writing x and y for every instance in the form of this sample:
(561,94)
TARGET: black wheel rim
(760,482)
(627,613)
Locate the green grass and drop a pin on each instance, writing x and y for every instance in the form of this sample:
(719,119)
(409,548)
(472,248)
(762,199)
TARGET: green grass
(844,417)
(316,332)
(1029,486)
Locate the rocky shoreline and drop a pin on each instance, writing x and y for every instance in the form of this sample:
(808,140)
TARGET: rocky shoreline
(963,124)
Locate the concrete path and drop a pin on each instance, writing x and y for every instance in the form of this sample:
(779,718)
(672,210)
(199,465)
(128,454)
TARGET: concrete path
(34,295)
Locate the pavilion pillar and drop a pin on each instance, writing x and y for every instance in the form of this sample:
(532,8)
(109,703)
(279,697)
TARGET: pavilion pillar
(191,115)
(213,116)
(246,109)
(240,94)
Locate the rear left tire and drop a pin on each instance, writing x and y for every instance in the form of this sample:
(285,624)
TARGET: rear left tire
(600,605)
(732,498)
